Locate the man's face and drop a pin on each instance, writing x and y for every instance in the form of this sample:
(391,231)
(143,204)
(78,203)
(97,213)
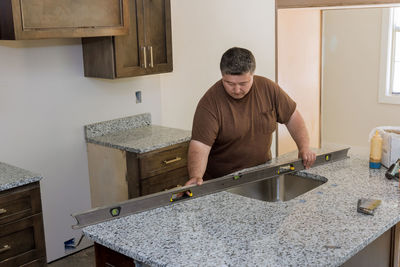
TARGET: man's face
(237,86)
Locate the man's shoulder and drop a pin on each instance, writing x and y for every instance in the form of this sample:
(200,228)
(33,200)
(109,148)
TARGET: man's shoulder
(264,80)
(265,86)
(215,88)
(213,92)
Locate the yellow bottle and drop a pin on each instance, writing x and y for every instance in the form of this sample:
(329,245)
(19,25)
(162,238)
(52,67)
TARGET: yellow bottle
(375,155)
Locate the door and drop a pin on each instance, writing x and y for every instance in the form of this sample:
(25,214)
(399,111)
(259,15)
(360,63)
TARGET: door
(298,71)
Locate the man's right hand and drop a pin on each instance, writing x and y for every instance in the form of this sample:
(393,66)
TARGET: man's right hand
(195,180)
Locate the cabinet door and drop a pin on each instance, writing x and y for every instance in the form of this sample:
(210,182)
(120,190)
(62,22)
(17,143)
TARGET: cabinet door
(37,19)
(157,25)
(147,49)
(107,257)
(130,52)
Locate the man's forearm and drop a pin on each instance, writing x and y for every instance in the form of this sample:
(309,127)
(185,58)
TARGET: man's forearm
(298,131)
(197,159)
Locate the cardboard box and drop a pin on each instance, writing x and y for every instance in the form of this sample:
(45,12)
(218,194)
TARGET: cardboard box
(390,146)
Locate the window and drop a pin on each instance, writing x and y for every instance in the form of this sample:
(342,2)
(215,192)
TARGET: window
(389,91)
(396,52)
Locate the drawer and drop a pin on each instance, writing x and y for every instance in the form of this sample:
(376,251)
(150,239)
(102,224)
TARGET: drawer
(19,202)
(164,181)
(163,160)
(22,242)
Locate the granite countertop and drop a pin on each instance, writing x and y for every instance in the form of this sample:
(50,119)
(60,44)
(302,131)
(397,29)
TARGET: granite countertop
(134,134)
(318,228)
(11,177)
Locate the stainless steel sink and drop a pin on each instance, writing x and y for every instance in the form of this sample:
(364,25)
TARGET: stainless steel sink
(279,188)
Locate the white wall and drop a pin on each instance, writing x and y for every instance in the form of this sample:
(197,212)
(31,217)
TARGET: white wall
(351,60)
(44,103)
(201,32)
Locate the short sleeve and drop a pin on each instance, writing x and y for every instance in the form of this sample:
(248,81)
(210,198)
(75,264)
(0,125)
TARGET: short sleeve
(284,105)
(205,123)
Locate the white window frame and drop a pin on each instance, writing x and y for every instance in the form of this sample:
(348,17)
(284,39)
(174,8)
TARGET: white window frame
(387,59)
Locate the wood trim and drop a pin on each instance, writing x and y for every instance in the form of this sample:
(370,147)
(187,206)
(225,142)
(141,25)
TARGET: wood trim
(395,246)
(168,27)
(133,175)
(320,77)
(330,3)
(276,72)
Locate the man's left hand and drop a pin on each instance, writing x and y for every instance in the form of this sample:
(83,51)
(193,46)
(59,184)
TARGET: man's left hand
(308,157)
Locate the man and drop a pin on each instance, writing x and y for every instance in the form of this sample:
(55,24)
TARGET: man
(235,119)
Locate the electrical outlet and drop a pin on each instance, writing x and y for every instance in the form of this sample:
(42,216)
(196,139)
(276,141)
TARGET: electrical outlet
(138,95)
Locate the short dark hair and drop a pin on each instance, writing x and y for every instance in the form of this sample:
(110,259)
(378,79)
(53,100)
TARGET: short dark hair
(237,61)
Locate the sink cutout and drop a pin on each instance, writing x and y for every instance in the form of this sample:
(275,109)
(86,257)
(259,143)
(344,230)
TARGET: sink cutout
(280,188)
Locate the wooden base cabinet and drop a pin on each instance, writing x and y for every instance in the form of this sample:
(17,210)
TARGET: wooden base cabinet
(106,257)
(147,49)
(38,19)
(21,227)
(117,175)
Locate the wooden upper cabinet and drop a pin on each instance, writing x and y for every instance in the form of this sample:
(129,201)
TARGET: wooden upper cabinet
(147,49)
(39,19)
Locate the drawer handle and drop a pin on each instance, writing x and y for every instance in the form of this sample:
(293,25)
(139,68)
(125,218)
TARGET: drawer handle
(144,57)
(166,162)
(2,211)
(151,57)
(5,248)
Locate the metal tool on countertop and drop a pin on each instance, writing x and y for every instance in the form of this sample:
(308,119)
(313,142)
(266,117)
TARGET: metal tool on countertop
(367,206)
(393,171)
(169,197)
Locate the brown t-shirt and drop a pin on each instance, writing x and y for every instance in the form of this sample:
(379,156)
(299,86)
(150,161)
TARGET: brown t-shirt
(239,131)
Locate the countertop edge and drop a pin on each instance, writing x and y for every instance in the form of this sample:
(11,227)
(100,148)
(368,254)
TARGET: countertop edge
(138,150)
(21,182)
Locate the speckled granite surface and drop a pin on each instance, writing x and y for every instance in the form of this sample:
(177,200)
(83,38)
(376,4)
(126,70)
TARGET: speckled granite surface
(134,134)
(11,176)
(224,229)
(117,125)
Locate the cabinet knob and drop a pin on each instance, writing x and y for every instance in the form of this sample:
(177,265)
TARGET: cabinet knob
(166,162)
(2,211)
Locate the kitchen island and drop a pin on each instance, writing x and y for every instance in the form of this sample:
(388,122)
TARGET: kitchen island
(319,228)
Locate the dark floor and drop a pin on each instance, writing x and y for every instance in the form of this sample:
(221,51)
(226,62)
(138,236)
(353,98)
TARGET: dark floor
(82,258)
